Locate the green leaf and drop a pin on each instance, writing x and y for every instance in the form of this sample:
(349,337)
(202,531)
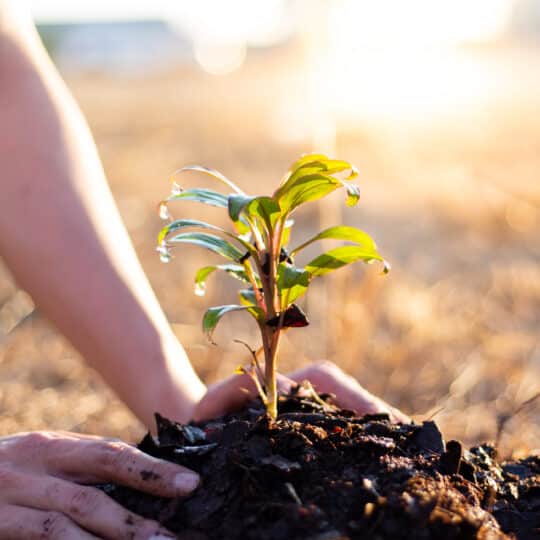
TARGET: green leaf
(202,195)
(264,208)
(341,256)
(191,223)
(247,297)
(210,242)
(333,166)
(210,172)
(302,162)
(205,196)
(234,270)
(292,282)
(306,189)
(317,163)
(316,167)
(185,223)
(286,234)
(342,232)
(214,314)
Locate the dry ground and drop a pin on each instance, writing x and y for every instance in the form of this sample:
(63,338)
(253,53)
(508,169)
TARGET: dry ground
(454,205)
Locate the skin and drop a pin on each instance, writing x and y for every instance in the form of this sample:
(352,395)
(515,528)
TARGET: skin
(44,493)
(63,239)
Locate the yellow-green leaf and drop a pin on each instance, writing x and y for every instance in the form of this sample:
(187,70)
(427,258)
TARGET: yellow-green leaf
(341,256)
(341,232)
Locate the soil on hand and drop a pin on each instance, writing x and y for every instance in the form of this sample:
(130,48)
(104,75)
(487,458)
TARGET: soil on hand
(320,473)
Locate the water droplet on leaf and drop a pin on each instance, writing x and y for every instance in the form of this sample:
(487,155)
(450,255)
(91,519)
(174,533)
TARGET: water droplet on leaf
(176,189)
(164,253)
(200,289)
(164,211)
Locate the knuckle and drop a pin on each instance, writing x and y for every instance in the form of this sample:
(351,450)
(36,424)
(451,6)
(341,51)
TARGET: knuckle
(8,477)
(54,525)
(327,368)
(35,441)
(114,456)
(84,502)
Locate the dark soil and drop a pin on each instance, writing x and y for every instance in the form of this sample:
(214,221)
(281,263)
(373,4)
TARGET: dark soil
(320,473)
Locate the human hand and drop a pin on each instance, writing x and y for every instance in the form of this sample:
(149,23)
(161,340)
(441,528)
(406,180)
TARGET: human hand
(41,495)
(326,377)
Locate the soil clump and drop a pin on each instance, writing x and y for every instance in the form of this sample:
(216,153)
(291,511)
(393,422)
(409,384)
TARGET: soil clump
(321,473)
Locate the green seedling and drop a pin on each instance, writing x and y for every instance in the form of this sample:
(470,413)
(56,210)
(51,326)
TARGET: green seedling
(257,251)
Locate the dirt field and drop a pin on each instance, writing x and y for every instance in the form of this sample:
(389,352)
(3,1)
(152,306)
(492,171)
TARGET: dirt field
(454,204)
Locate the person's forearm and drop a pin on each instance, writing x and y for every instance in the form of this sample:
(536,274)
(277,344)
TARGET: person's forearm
(62,237)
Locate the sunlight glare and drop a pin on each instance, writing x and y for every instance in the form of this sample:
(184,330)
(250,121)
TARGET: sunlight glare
(222,31)
(391,58)
(219,59)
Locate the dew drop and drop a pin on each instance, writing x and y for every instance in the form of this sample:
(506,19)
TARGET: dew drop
(200,289)
(163,210)
(164,253)
(176,189)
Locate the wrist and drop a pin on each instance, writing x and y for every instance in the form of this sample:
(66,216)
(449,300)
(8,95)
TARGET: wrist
(174,389)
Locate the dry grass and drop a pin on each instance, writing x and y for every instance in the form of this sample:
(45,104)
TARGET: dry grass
(454,205)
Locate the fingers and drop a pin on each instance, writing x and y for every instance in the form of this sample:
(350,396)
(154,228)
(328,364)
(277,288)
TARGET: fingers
(18,522)
(88,507)
(228,395)
(90,461)
(327,377)
(232,394)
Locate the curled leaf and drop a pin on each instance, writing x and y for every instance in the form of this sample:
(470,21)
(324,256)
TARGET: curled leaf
(211,242)
(234,270)
(202,195)
(210,172)
(263,208)
(301,162)
(195,223)
(305,181)
(342,232)
(294,317)
(307,188)
(214,314)
(185,224)
(339,257)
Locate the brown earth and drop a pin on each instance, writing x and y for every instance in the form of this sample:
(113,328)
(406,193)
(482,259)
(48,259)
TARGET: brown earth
(320,473)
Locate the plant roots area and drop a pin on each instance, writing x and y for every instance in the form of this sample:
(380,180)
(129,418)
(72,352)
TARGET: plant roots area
(321,473)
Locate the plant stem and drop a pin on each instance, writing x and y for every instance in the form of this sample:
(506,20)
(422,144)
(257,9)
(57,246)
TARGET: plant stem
(253,281)
(270,373)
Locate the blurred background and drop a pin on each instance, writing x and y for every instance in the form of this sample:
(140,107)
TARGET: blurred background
(437,103)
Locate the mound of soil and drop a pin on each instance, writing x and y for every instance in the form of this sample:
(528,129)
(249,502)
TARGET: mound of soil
(320,473)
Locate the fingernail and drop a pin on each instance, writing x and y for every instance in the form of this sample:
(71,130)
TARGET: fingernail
(186,482)
(160,537)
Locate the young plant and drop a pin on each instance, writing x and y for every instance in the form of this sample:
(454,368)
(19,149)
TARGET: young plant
(257,251)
